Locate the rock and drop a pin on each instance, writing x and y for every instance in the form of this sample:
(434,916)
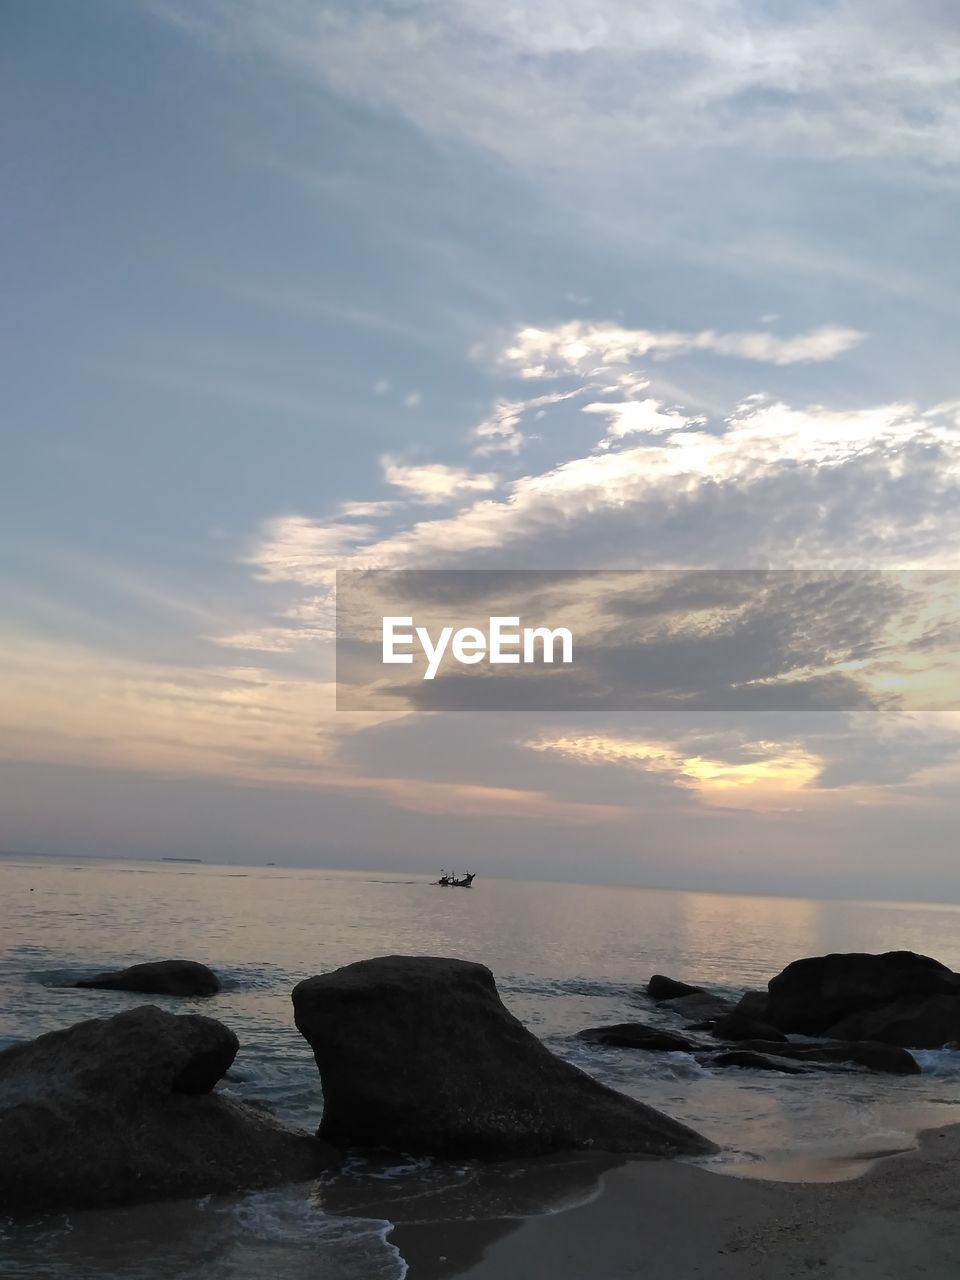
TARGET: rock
(158,978)
(747,1020)
(702,1007)
(884,1057)
(636,1035)
(418,1054)
(877,1057)
(662,988)
(736,1026)
(752,1005)
(811,996)
(119,1110)
(924,1024)
(754,1061)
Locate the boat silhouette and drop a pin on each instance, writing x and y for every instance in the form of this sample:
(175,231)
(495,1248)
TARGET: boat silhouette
(453,881)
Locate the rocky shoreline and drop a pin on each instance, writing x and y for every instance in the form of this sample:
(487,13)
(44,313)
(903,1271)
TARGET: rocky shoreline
(835,1012)
(415,1054)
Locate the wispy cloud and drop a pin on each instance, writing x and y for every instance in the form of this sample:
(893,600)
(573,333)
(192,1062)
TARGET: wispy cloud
(434,483)
(578,346)
(500,432)
(533,83)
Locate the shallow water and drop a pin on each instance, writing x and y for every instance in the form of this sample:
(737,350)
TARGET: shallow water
(565,957)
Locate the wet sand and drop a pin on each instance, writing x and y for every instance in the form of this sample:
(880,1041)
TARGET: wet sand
(671,1221)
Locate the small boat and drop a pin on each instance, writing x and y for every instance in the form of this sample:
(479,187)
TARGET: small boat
(453,881)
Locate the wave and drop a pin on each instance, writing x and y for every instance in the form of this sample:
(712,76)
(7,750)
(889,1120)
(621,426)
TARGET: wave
(353,1248)
(944,1063)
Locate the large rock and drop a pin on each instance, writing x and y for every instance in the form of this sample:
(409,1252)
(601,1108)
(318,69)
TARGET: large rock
(812,996)
(158,978)
(661,987)
(923,1024)
(418,1053)
(119,1110)
(637,1035)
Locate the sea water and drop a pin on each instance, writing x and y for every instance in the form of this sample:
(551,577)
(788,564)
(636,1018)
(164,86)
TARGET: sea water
(565,957)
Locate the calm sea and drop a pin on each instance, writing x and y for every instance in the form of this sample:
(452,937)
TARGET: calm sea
(565,957)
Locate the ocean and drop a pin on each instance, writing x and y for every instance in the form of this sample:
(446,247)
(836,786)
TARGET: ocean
(565,957)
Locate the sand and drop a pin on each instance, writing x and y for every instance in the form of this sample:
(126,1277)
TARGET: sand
(671,1221)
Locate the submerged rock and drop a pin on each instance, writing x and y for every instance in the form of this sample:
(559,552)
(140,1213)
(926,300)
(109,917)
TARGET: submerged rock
(885,1058)
(661,987)
(119,1110)
(817,995)
(637,1035)
(748,1058)
(158,978)
(418,1053)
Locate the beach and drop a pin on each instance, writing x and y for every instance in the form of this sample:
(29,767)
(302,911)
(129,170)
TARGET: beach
(672,1221)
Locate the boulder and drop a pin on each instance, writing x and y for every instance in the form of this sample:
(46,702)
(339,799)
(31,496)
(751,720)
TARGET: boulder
(749,1059)
(737,1026)
(158,978)
(752,1005)
(662,988)
(884,1057)
(119,1110)
(747,1020)
(701,1007)
(812,996)
(914,1024)
(418,1054)
(637,1035)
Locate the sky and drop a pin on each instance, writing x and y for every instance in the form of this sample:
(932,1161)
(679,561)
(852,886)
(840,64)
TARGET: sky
(293,287)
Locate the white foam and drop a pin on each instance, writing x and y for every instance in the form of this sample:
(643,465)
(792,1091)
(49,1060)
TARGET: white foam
(352,1246)
(938,1062)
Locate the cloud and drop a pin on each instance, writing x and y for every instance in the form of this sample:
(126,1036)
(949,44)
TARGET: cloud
(577,346)
(640,417)
(296,548)
(771,773)
(250,724)
(687,640)
(366,510)
(70,703)
(545,84)
(500,431)
(434,483)
(772,485)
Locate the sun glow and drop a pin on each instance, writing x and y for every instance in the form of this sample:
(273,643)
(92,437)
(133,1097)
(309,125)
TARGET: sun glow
(762,770)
